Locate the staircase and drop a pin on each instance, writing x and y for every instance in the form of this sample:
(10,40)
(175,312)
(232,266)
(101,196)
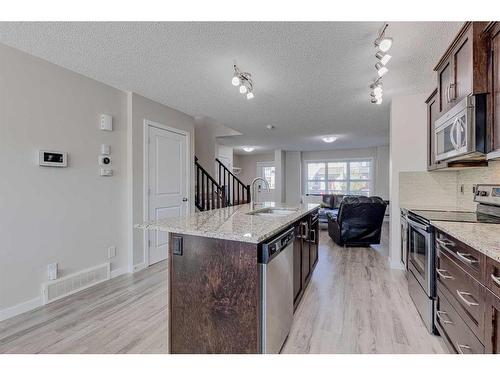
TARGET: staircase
(228,190)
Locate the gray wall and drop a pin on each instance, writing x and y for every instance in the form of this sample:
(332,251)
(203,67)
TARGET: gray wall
(65,215)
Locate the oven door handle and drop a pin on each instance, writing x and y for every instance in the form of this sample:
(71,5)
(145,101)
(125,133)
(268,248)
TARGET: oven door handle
(418,225)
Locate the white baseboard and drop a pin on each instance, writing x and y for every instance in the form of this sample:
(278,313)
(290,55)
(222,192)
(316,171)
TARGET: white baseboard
(118,272)
(23,307)
(32,304)
(396,265)
(139,266)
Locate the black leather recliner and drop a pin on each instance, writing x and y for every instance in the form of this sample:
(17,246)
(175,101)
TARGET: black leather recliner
(359,221)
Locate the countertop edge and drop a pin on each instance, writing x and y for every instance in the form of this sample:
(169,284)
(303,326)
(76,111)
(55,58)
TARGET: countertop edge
(225,236)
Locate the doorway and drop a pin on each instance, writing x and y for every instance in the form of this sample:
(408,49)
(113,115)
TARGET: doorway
(267,171)
(166,183)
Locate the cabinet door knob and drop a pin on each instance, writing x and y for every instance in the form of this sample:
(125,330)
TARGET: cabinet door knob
(184,199)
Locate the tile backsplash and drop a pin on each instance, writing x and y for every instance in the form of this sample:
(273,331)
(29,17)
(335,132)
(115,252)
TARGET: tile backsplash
(442,189)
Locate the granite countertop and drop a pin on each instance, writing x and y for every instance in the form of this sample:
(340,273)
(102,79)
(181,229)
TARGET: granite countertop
(231,223)
(483,237)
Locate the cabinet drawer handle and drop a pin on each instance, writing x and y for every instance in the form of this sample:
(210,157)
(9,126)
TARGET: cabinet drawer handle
(495,279)
(469,303)
(460,347)
(444,321)
(445,244)
(464,256)
(440,273)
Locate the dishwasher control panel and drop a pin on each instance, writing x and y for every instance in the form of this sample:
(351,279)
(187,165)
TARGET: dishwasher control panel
(272,248)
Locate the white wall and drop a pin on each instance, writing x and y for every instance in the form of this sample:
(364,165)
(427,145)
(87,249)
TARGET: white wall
(65,215)
(408,145)
(141,108)
(248,163)
(382,172)
(293,177)
(280,165)
(68,215)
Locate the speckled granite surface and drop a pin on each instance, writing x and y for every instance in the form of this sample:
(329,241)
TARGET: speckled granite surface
(482,237)
(231,223)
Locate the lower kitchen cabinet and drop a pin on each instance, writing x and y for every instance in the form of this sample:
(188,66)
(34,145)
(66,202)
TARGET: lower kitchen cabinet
(492,327)
(305,249)
(467,309)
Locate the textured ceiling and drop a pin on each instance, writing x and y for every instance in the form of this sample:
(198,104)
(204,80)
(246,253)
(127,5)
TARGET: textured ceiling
(311,78)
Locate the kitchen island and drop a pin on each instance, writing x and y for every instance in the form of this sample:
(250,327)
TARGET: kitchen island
(215,286)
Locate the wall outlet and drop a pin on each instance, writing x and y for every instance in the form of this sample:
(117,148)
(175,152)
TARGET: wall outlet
(52,271)
(111,252)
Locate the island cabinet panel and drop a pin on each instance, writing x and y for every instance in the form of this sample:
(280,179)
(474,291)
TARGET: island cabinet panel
(214,296)
(492,331)
(297,264)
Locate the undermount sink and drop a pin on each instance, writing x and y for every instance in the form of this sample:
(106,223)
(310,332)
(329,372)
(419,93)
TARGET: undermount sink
(273,211)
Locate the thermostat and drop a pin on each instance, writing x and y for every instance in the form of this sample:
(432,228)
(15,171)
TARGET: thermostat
(52,158)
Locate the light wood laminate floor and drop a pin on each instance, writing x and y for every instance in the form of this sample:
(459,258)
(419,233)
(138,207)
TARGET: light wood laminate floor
(354,304)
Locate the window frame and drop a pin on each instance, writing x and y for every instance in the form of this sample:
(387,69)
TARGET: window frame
(347,180)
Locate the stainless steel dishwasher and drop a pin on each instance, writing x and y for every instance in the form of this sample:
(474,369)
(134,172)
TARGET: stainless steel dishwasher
(276,292)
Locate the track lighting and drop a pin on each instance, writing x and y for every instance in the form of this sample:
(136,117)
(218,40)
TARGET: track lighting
(244,81)
(383,43)
(383,57)
(381,69)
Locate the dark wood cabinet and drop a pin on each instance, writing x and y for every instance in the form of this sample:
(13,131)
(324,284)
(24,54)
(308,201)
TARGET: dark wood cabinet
(463,68)
(467,305)
(306,246)
(492,328)
(492,33)
(297,264)
(432,115)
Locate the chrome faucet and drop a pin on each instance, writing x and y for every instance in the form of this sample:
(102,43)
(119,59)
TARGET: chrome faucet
(254,192)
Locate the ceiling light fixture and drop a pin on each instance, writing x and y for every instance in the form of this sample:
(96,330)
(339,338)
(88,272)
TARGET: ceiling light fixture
(244,81)
(248,148)
(381,70)
(329,139)
(383,57)
(383,44)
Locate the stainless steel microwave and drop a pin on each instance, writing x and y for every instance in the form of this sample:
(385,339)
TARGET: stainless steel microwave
(461,132)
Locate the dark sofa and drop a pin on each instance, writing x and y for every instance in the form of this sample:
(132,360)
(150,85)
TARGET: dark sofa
(358,222)
(331,204)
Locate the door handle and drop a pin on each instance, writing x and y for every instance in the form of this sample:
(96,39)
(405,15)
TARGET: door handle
(184,199)
(452,134)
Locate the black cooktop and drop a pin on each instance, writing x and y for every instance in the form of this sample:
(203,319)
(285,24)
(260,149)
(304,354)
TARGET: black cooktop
(459,216)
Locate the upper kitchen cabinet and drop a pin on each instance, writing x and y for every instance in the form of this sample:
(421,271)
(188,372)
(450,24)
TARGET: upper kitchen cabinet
(432,115)
(492,34)
(463,68)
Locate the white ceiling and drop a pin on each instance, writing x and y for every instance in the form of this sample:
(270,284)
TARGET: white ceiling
(311,79)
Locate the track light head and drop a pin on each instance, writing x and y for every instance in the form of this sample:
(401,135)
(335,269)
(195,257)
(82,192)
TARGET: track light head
(250,95)
(383,57)
(383,43)
(381,69)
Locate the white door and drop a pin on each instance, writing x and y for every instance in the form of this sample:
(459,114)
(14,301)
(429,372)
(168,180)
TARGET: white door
(267,171)
(167,184)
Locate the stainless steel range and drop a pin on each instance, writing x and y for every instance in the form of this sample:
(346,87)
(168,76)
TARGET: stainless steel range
(420,242)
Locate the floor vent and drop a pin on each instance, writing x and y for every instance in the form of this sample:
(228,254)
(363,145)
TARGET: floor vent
(54,290)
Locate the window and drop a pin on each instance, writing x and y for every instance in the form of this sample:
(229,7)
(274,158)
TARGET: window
(268,173)
(339,177)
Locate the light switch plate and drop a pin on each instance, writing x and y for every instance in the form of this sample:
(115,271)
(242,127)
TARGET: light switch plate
(111,252)
(106,122)
(105,149)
